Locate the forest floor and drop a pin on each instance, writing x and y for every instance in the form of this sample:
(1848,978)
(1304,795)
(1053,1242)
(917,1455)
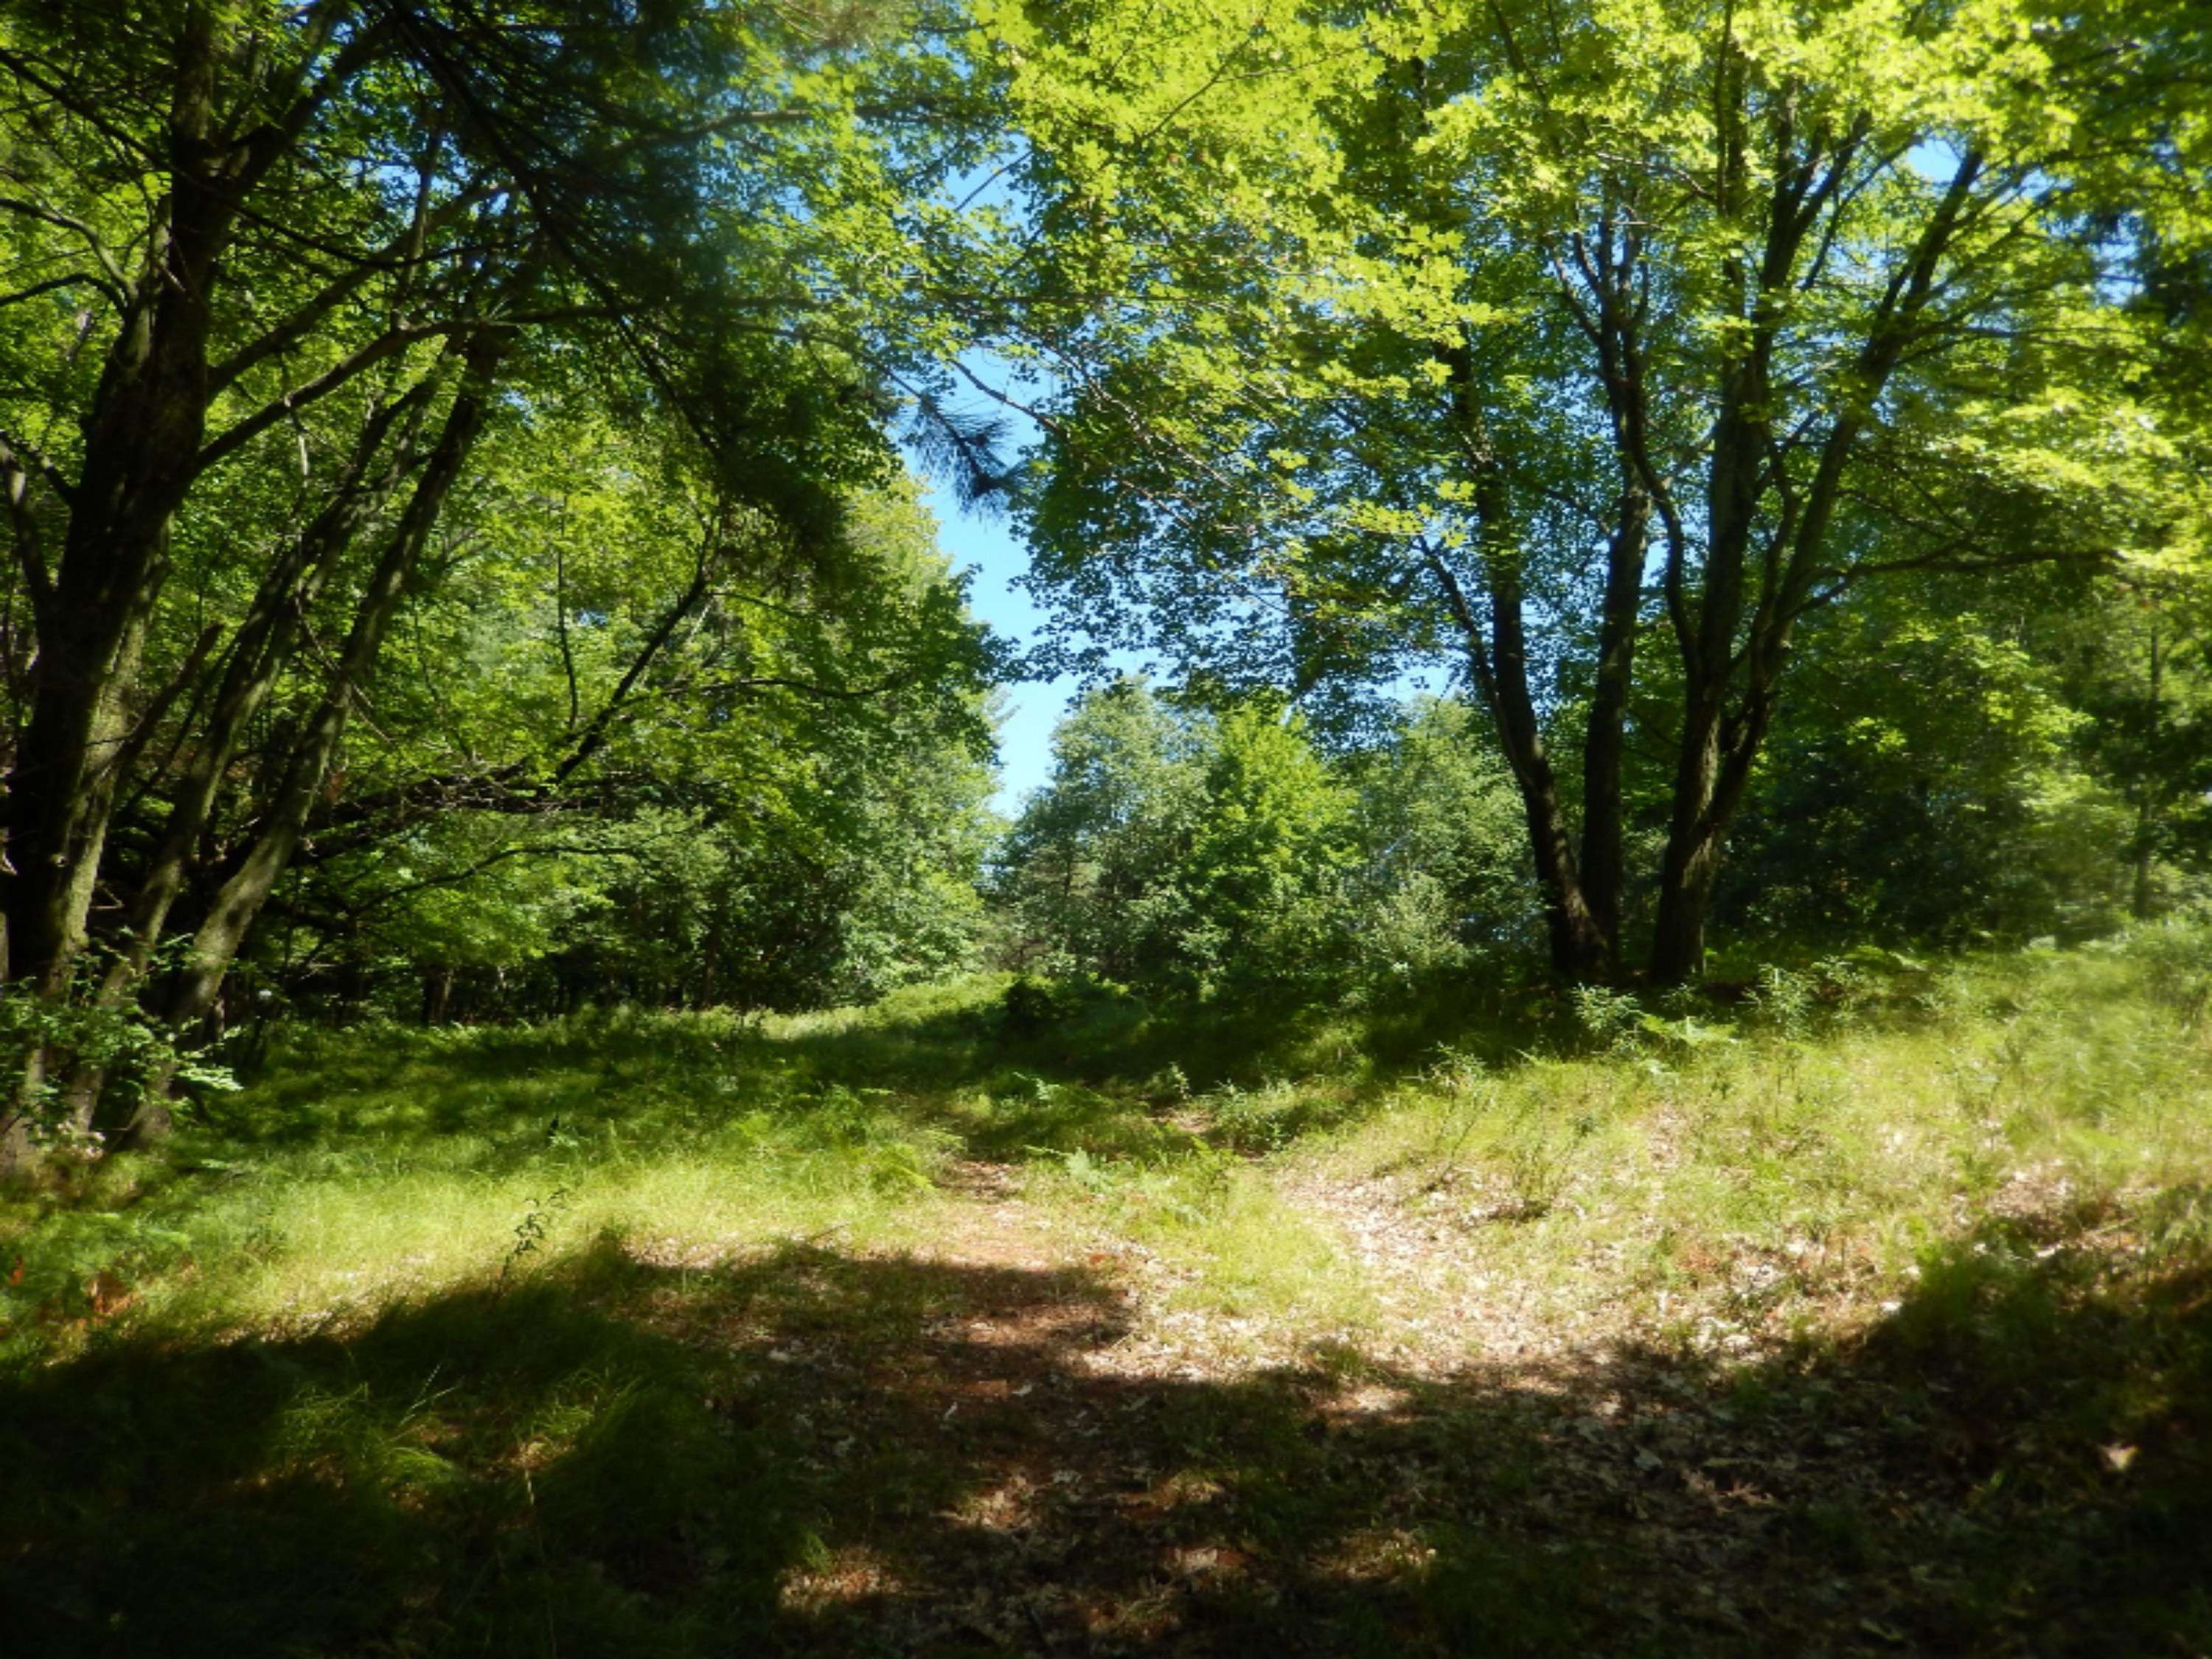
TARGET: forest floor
(1875,1318)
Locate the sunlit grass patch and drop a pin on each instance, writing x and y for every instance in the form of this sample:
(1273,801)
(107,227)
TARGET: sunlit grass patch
(429,1181)
(1764,1179)
(1689,1166)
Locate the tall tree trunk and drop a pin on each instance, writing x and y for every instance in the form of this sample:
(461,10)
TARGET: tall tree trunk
(258,655)
(1580,947)
(1693,855)
(142,441)
(437,995)
(1497,654)
(259,652)
(17,1152)
(142,437)
(1714,756)
(2140,900)
(238,902)
(1719,748)
(231,115)
(1603,860)
(1497,663)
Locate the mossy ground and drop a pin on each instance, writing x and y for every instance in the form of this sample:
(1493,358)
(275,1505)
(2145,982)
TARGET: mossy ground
(1873,1315)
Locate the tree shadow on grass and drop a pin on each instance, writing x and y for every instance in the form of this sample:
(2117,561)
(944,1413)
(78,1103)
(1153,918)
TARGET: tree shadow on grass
(1088,1075)
(820,1453)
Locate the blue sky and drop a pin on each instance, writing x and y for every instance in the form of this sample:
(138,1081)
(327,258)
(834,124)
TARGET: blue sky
(989,547)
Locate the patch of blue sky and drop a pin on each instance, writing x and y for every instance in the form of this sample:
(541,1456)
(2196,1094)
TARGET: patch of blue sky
(984,542)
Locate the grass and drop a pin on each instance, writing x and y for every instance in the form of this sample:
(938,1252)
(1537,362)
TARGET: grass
(1870,1314)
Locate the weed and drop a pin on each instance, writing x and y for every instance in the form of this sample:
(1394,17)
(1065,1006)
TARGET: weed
(533,1231)
(1538,1150)
(1457,1074)
(1784,1001)
(1611,1020)
(1684,1037)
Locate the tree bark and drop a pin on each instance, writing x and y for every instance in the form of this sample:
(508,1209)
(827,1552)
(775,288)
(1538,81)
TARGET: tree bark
(1580,949)
(143,433)
(257,654)
(1603,861)
(437,995)
(239,902)
(1693,855)
(1719,748)
(1497,663)
(142,436)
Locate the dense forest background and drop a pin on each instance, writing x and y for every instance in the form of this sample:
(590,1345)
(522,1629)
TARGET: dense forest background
(468,562)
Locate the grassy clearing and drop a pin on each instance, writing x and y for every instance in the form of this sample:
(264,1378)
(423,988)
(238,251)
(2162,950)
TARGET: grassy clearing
(1870,1313)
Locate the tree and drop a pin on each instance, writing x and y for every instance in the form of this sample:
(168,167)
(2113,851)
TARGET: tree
(287,271)
(1090,870)
(786,810)
(1540,334)
(1954,795)
(1442,879)
(1271,849)
(1185,851)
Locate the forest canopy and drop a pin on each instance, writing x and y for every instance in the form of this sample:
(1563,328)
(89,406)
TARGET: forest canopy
(455,508)
(1603,349)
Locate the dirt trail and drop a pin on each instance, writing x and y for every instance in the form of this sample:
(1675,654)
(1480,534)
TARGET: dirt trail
(1054,1458)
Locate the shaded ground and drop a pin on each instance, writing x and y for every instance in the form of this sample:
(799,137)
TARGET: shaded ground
(816,1453)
